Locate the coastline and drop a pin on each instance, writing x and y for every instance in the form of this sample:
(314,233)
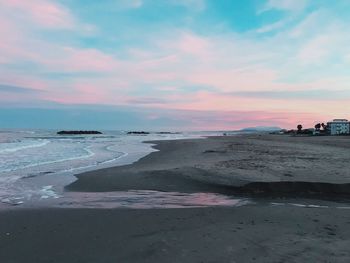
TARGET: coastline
(283,231)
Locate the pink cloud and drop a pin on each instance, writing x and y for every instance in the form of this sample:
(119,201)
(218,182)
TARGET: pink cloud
(87,60)
(230,80)
(46,13)
(235,119)
(193,45)
(224,102)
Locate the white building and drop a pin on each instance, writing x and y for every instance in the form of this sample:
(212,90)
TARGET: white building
(339,126)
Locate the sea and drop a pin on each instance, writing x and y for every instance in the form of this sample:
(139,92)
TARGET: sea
(36,165)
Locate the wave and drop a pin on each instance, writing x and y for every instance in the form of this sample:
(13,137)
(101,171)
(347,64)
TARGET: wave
(88,155)
(95,164)
(47,154)
(6,147)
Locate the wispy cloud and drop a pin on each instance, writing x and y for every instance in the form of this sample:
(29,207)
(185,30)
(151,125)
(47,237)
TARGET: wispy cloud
(17,89)
(45,13)
(123,4)
(294,62)
(198,5)
(285,5)
(147,101)
(318,95)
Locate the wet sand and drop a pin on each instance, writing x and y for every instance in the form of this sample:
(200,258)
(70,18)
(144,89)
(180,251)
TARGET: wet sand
(276,166)
(241,234)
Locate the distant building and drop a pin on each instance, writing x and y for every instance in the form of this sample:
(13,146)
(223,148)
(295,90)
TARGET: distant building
(338,126)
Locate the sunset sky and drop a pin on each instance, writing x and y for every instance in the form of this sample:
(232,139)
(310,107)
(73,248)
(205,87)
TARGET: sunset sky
(173,64)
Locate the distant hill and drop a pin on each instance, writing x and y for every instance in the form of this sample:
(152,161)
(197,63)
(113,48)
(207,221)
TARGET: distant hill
(261,129)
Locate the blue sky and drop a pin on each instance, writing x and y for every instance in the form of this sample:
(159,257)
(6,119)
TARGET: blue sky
(189,64)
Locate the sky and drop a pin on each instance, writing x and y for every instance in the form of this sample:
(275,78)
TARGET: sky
(173,65)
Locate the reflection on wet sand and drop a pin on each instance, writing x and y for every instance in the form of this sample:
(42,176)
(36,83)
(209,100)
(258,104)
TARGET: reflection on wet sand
(145,199)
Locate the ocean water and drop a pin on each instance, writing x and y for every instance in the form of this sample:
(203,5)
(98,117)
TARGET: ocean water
(37,164)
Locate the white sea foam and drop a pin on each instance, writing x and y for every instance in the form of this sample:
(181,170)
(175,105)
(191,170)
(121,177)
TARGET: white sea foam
(95,164)
(34,164)
(343,207)
(42,154)
(279,204)
(48,192)
(22,145)
(300,205)
(308,205)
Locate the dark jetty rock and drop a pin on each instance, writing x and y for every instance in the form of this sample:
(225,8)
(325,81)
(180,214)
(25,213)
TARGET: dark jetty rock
(77,132)
(138,132)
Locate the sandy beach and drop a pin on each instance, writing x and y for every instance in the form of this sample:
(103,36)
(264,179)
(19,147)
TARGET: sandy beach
(252,164)
(241,234)
(268,168)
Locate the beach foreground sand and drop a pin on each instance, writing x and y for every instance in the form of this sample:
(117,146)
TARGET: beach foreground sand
(241,234)
(270,168)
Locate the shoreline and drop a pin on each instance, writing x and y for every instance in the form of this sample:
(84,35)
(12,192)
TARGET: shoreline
(278,230)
